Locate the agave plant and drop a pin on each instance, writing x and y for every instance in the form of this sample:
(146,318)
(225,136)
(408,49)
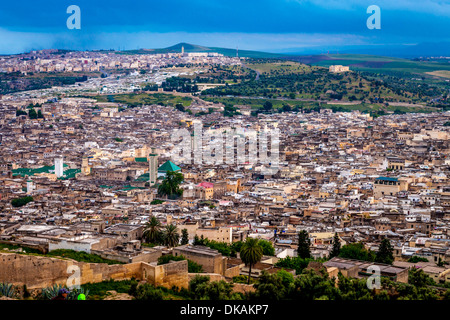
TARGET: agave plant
(7,290)
(73,295)
(51,292)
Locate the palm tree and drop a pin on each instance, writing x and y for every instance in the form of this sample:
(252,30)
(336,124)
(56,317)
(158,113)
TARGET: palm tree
(152,230)
(170,185)
(251,253)
(171,236)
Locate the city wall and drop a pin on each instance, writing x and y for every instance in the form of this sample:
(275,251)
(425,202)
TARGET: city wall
(40,272)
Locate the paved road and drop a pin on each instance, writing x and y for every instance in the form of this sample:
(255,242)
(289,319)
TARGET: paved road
(257,72)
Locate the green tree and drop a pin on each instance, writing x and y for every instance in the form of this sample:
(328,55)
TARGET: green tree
(303,250)
(296,263)
(170,186)
(200,241)
(32,113)
(152,230)
(19,202)
(385,252)
(171,236)
(180,107)
(236,246)
(251,253)
(357,251)
(201,288)
(267,106)
(415,259)
(286,107)
(184,237)
(418,278)
(268,249)
(336,246)
(148,292)
(20,112)
(270,287)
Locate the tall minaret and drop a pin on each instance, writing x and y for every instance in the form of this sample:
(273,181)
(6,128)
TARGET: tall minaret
(30,186)
(85,169)
(182,50)
(59,167)
(153,167)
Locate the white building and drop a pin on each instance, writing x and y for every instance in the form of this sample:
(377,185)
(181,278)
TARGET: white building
(59,167)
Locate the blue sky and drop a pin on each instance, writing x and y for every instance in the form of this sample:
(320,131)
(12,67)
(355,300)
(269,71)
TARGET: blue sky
(267,25)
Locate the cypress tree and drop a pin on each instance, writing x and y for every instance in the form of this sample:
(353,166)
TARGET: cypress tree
(184,237)
(304,243)
(385,252)
(336,246)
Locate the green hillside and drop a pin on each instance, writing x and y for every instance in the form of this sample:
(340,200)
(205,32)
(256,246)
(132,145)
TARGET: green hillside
(379,64)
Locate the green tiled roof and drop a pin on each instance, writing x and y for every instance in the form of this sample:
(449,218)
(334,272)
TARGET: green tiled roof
(22,172)
(69,174)
(143,177)
(140,159)
(168,166)
(127,188)
(387,179)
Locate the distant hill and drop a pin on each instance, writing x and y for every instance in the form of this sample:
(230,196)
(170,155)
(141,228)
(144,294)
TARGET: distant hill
(196,48)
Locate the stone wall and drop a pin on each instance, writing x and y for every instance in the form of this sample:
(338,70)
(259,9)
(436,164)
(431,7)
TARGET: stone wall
(40,272)
(233,272)
(211,263)
(174,273)
(147,255)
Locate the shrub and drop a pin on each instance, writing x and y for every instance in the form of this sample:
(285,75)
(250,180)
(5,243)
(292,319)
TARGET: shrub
(148,292)
(19,202)
(81,256)
(8,290)
(415,259)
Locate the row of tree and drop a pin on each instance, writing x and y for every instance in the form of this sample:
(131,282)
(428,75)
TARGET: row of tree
(154,233)
(385,253)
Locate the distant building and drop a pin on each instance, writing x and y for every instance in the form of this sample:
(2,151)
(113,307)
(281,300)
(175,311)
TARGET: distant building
(339,68)
(385,186)
(362,269)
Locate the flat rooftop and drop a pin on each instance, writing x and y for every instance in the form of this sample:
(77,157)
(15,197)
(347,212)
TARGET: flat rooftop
(203,250)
